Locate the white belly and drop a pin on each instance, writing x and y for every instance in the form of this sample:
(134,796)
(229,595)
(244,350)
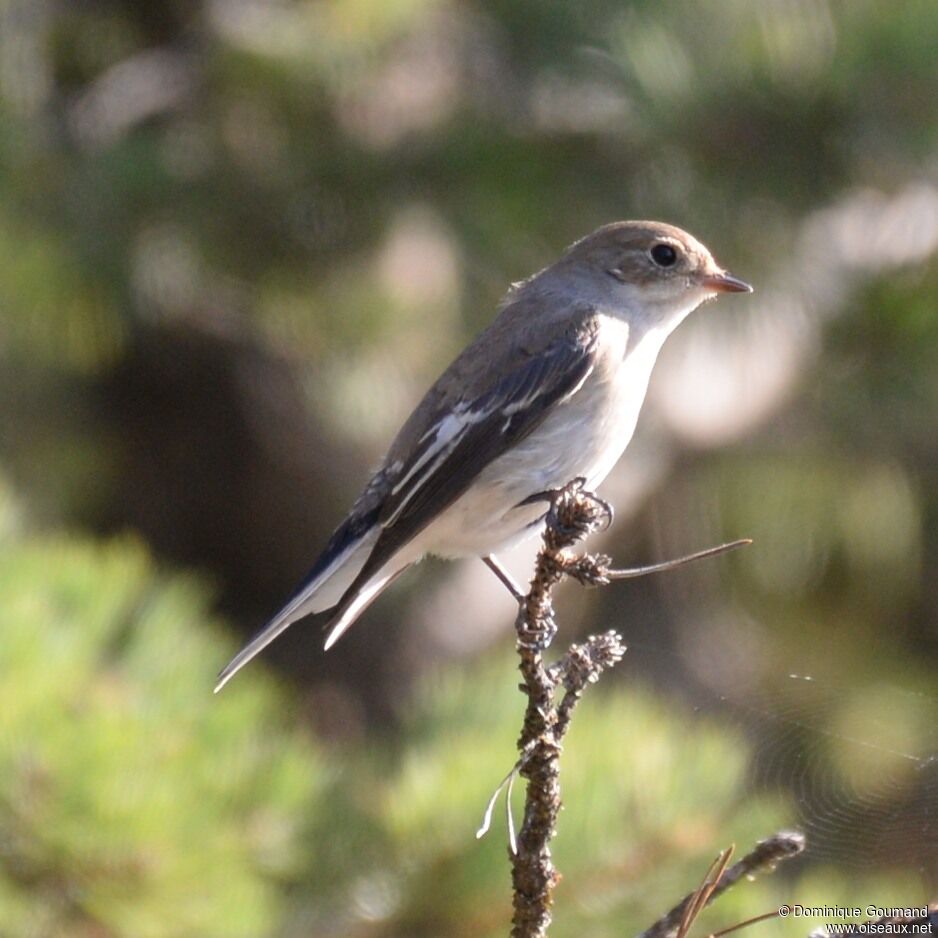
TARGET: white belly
(585,436)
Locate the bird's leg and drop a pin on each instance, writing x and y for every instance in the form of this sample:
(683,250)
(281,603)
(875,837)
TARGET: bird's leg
(505,577)
(539,637)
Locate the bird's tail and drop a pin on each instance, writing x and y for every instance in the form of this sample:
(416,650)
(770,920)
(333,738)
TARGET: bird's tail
(325,585)
(360,600)
(280,623)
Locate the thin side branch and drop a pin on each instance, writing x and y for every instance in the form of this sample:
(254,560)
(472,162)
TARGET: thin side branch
(631,572)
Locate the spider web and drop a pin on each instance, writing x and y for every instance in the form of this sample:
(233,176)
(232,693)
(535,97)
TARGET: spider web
(864,787)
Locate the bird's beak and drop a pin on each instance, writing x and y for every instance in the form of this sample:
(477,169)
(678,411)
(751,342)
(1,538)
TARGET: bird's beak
(723,282)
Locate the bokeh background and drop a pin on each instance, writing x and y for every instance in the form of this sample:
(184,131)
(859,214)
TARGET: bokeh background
(238,239)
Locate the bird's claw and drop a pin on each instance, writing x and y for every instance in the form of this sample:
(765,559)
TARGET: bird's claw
(599,512)
(575,512)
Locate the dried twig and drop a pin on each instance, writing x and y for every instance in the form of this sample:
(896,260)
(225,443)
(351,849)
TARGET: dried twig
(574,514)
(762,858)
(739,926)
(700,898)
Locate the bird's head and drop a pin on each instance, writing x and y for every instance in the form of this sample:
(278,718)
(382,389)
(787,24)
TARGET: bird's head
(653,268)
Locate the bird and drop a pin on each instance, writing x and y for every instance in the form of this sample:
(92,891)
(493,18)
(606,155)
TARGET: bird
(550,391)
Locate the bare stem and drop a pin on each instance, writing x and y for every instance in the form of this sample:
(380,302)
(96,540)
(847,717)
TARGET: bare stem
(573,515)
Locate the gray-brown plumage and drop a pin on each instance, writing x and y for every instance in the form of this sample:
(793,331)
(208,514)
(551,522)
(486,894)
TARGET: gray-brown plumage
(549,391)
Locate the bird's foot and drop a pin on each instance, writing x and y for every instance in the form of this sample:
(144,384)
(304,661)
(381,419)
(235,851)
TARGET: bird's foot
(576,513)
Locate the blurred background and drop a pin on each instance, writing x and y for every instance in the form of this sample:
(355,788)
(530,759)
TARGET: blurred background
(238,239)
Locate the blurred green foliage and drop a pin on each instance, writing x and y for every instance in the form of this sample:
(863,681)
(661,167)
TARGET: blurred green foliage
(131,802)
(237,240)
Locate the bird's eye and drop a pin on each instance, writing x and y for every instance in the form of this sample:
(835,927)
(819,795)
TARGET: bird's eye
(664,255)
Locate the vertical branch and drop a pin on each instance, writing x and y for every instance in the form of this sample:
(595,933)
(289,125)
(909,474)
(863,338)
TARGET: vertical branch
(572,516)
(533,873)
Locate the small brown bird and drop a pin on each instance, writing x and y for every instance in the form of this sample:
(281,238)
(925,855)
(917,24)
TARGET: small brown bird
(550,391)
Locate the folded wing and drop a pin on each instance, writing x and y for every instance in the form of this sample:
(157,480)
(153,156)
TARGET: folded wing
(463,438)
